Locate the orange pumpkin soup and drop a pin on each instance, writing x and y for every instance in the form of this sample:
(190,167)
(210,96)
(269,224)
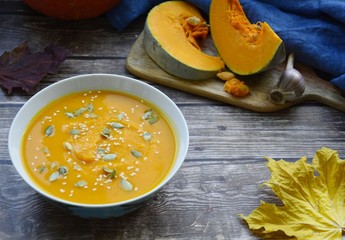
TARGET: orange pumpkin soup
(98,147)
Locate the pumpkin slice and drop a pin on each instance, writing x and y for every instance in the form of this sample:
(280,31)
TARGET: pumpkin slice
(244,47)
(171,35)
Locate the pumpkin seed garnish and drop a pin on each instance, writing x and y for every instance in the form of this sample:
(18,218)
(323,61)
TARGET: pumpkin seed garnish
(52,165)
(120,116)
(136,153)
(116,125)
(147,114)
(109,157)
(107,170)
(79,111)
(111,172)
(41,168)
(81,183)
(63,170)
(100,150)
(89,107)
(49,130)
(106,132)
(54,176)
(70,115)
(153,119)
(74,132)
(150,116)
(126,185)
(147,136)
(68,146)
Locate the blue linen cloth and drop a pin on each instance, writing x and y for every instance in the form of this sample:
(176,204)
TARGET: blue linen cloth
(312,29)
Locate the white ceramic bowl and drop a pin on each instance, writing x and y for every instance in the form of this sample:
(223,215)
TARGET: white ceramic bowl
(98,82)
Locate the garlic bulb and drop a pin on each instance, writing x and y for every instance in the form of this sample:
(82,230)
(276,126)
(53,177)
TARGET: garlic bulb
(291,84)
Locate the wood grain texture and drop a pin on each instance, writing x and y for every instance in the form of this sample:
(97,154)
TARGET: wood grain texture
(225,163)
(317,89)
(189,207)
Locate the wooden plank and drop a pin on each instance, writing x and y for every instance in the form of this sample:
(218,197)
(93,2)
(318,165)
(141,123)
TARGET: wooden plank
(201,202)
(89,38)
(220,176)
(317,89)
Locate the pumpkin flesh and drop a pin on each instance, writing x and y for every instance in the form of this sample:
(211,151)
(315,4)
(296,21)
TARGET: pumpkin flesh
(244,47)
(172,47)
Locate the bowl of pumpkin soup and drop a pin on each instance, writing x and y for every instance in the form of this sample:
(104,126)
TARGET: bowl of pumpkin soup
(98,145)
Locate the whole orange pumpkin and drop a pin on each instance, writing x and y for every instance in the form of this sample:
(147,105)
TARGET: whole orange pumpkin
(72,9)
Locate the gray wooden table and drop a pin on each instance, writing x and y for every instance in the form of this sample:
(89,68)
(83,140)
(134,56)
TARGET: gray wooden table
(222,172)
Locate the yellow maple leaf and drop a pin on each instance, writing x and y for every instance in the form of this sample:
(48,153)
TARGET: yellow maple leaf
(313,197)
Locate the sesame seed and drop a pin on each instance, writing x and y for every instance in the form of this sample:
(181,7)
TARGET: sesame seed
(108,187)
(62,190)
(94,189)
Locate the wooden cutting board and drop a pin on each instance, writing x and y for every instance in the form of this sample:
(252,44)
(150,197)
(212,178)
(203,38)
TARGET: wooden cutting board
(140,64)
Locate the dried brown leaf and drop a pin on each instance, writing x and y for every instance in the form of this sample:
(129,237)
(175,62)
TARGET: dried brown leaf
(20,68)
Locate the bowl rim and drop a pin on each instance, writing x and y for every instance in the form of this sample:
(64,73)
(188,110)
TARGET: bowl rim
(180,153)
